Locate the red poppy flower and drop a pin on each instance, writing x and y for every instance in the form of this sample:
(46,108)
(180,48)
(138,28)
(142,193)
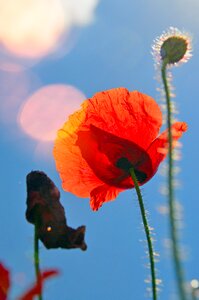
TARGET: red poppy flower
(113,131)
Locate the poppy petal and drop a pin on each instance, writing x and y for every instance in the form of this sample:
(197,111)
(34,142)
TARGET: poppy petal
(77,176)
(101,194)
(159,148)
(130,115)
(37,287)
(4,282)
(104,152)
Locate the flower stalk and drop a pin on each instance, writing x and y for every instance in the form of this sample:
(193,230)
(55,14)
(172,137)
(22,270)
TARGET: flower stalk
(147,232)
(36,259)
(194,284)
(171,201)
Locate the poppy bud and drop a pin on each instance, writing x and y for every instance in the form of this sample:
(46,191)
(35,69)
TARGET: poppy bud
(173,47)
(45,210)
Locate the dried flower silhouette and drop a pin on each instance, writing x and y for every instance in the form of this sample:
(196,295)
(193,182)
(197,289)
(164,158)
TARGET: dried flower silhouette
(112,132)
(45,210)
(5,284)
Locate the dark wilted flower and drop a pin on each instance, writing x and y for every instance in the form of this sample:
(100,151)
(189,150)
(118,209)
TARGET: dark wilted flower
(45,210)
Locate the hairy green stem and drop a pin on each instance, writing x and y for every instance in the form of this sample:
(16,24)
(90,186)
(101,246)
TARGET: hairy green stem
(172,213)
(147,232)
(36,259)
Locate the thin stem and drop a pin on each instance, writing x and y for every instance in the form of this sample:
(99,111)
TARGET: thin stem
(36,258)
(147,232)
(193,295)
(173,227)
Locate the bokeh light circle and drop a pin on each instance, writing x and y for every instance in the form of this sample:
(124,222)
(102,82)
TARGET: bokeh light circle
(31,28)
(47,109)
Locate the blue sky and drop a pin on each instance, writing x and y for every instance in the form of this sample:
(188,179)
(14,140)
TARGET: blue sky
(111,51)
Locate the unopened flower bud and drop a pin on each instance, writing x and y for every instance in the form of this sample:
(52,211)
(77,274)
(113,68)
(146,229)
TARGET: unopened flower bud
(172,47)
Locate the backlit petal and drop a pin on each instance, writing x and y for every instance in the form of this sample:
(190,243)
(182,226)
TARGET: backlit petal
(101,194)
(103,153)
(130,115)
(77,176)
(159,148)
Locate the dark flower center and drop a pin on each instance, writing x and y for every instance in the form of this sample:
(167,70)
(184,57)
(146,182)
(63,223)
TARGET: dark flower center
(124,164)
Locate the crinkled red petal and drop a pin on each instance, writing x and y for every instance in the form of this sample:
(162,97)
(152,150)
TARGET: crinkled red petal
(101,194)
(159,148)
(130,115)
